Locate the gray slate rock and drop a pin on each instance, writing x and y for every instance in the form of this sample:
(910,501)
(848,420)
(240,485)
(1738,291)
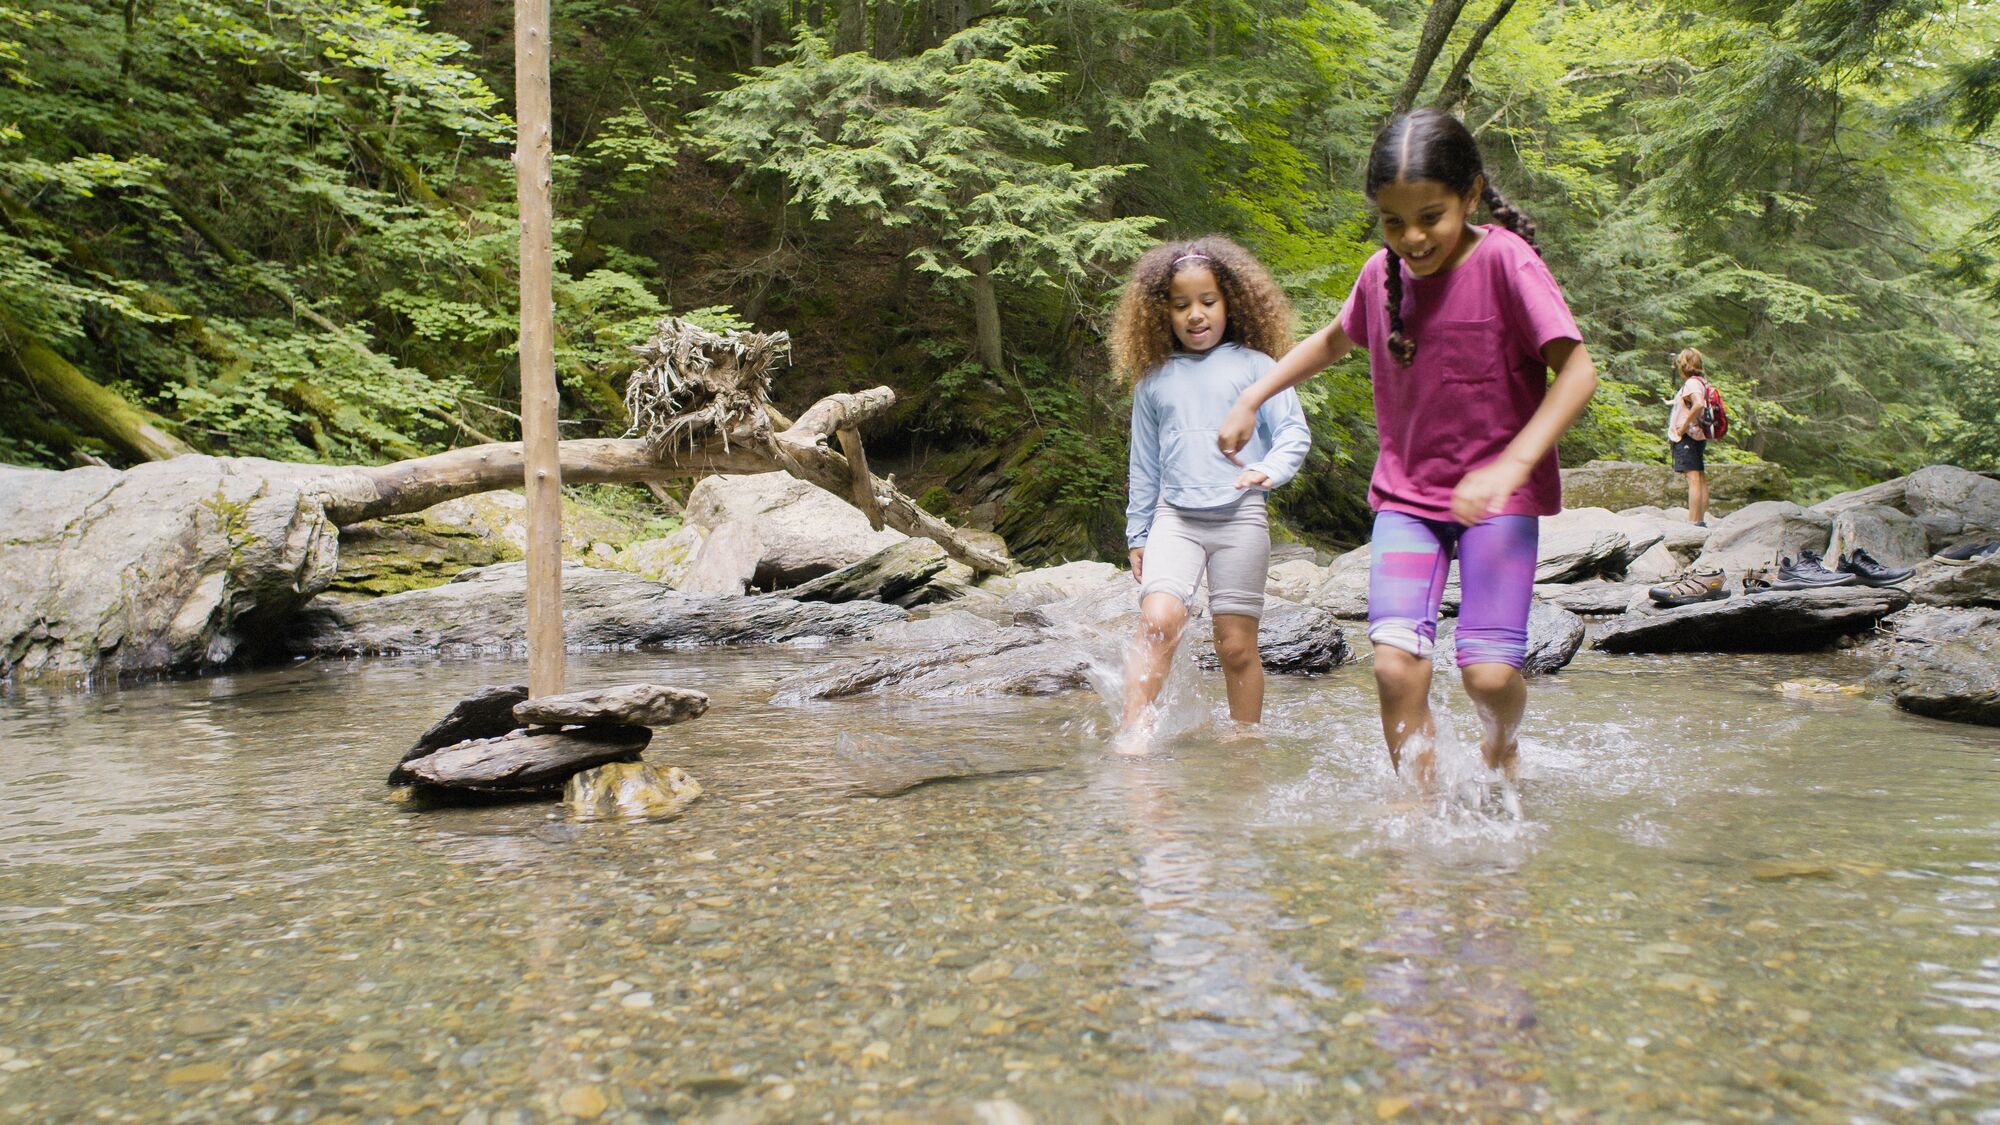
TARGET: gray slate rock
(1009,661)
(631,705)
(484,611)
(486,713)
(804,531)
(525,762)
(1943,663)
(1554,636)
(1290,638)
(1951,504)
(1761,534)
(166,568)
(885,576)
(1974,584)
(1776,621)
(1891,536)
(1592,598)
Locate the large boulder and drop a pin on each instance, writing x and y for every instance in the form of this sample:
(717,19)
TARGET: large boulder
(410,552)
(1626,484)
(485,611)
(1890,536)
(666,559)
(1344,592)
(1953,505)
(168,567)
(1294,579)
(1761,534)
(1974,584)
(885,576)
(1945,663)
(1774,621)
(1683,540)
(1950,504)
(1052,583)
(726,562)
(1565,529)
(805,530)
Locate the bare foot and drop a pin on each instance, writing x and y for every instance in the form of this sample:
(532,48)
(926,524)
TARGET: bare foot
(1134,739)
(1238,733)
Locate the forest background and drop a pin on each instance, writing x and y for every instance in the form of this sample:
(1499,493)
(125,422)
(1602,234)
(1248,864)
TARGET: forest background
(285,228)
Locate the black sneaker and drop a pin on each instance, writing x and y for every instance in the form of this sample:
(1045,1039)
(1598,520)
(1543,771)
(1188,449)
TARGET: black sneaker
(1808,574)
(1967,552)
(1868,572)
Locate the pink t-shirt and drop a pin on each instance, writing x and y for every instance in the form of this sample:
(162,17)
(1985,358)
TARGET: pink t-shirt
(1477,378)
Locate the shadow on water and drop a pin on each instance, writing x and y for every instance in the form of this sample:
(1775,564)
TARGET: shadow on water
(1719,901)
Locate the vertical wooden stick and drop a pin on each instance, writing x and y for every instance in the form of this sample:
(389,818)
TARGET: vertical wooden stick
(543,466)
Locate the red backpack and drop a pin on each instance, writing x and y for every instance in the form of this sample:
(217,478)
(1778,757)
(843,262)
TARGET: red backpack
(1714,416)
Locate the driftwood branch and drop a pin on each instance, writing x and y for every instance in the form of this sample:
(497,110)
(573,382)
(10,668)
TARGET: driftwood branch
(353,495)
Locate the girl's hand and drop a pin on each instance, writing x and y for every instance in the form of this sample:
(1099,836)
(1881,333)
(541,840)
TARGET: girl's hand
(1251,478)
(1234,433)
(1484,491)
(1138,558)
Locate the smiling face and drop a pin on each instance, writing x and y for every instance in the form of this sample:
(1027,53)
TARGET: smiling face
(1196,308)
(1424,222)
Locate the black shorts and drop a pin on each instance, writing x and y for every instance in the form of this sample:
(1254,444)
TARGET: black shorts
(1688,455)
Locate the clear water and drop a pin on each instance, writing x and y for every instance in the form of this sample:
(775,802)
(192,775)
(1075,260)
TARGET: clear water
(1720,902)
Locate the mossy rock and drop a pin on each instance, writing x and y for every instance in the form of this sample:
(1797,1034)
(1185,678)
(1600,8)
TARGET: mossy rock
(429,548)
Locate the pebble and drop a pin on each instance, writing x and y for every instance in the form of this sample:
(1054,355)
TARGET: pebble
(585,1102)
(636,1000)
(200,1023)
(1388,1109)
(363,1062)
(941,1016)
(1245,1090)
(197,1073)
(990,971)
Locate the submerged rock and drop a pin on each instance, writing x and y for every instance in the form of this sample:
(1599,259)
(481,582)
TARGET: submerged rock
(636,705)
(875,769)
(485,611)
(1777,621)
(525,762)
(630,791)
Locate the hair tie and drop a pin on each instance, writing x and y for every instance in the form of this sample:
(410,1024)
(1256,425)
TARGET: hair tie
(1190,258)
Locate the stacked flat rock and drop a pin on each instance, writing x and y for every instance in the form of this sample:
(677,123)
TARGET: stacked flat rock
(498,743)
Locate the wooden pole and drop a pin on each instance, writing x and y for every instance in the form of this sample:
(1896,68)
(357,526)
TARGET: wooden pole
(542,466)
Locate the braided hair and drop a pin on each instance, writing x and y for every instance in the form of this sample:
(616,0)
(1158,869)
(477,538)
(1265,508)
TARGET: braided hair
(1430,144)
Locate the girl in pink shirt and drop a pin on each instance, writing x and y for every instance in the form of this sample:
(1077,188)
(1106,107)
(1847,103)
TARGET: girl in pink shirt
(1462,324)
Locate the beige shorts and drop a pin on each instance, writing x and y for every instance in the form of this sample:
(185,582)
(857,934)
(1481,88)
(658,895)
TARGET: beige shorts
(1232,545)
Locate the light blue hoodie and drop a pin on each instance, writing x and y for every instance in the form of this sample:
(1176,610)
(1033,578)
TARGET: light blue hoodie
(1175,413)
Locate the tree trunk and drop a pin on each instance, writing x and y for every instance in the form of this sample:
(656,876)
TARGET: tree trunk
(1457,84)
(852,34)
(1437,28)
(986,313)
(540,402)
(756,40)
(133,431)
(888,29)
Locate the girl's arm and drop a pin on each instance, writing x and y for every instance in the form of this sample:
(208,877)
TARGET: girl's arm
(1282,421)
(1143,475)
(1483,492)
(1313,354)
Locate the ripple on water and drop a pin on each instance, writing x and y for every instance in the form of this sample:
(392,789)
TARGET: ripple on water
(1762,907)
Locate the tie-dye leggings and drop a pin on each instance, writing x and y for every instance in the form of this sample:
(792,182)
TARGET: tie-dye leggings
(1409,563)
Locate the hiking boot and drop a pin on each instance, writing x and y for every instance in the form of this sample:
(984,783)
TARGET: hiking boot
(1966,553)
(1869,572)
(1808,574)
(1758,579)
(1696,584)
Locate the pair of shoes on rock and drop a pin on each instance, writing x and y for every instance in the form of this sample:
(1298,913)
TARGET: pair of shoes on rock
(1967,553)
(1695,584)
(1867,571)
(1808,573)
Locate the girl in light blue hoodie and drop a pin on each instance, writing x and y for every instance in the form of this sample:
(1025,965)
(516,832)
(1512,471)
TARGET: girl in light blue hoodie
(1198,322)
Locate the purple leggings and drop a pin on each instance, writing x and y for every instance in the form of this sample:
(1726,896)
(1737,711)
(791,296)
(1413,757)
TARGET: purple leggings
(1410,560)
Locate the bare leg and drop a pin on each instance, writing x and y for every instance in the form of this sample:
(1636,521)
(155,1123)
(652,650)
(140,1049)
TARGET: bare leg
(1501,696)
(1242,671)
(1697,496)
(1147,658)
(1403,684)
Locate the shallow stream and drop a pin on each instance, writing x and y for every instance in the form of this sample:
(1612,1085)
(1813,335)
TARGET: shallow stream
(1721,901)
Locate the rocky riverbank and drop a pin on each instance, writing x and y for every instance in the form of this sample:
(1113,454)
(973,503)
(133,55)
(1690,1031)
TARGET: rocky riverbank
(198,563)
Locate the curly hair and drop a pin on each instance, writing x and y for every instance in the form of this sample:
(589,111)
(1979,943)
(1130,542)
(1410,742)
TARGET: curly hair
(1258,313)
